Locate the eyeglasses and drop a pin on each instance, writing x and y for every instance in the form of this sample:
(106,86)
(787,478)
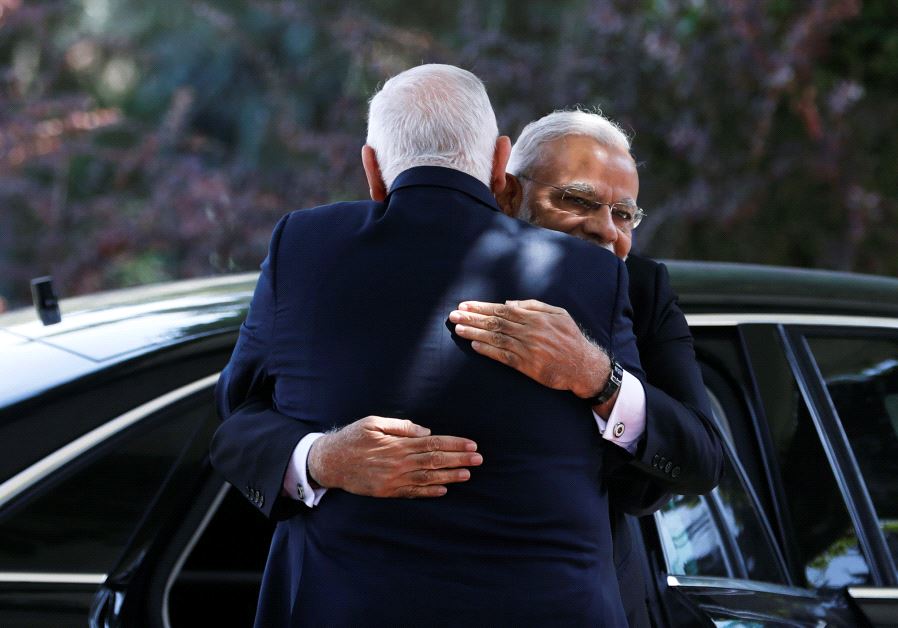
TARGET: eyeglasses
(626,214)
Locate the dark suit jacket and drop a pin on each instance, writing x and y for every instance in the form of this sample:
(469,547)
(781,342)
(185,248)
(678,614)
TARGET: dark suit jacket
(349,319)
(681,451)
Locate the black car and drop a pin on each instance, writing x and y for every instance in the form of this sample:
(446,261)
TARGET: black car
(110,511)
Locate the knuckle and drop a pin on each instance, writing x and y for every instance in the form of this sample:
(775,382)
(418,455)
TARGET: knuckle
(435,443)
(492,323)
(509,358)
(501,310)
(497,339)
(437,459)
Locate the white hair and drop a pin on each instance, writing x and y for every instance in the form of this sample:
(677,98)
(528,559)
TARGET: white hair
(433,115)
(527,151)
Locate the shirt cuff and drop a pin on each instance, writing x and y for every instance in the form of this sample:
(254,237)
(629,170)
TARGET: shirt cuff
(626,423)
(296,481)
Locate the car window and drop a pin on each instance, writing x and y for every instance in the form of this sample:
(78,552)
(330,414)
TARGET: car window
(818,532)
(220,588)
(79,519)
(720,534)
(36,427)
(861,375)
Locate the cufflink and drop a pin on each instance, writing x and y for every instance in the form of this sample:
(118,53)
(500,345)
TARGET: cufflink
(300,491)
(619,430)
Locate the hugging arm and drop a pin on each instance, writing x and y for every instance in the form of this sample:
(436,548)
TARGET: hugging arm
(679,450)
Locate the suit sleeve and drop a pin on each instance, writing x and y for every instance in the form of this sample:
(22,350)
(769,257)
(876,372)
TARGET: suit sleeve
(623,340)
(252,449)
(681,450)
(253,445)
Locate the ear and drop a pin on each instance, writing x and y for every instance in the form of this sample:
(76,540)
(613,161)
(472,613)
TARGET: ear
(376,186)
(510,198)
(500,160)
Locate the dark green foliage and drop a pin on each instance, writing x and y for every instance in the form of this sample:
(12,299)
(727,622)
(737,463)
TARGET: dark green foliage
(141,141)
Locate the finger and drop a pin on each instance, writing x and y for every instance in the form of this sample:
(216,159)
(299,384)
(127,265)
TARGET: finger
(495,339)
(489,323)
(426,477)
(443,460)
(492,309)
(400,427)
(509,358)
(536,306)
(415,492)
(443,443)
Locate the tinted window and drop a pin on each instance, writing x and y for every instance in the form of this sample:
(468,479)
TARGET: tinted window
(861,376)
(717,535)
(35,428)
(220,588)
(80,520)
(691,539)
(818,533)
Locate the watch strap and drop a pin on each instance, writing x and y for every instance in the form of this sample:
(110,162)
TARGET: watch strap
(612,386)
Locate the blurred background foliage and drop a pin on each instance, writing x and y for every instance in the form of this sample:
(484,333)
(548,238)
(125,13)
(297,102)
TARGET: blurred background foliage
(148,140)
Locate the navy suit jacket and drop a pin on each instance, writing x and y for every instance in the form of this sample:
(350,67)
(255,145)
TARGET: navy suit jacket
(349,319)
(681,450)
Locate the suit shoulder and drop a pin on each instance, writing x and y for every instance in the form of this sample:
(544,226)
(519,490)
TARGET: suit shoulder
(341,211)
(335,216)
(644,267)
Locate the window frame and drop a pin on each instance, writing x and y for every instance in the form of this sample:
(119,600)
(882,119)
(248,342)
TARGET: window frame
(732,555)
(708,592)
(837,445)
(792,328)
(56,466)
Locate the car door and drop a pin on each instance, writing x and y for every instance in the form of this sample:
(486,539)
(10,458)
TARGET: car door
(851,372)
(68,510)
(774,544)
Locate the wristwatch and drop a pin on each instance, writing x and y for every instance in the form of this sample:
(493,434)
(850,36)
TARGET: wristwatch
(613,385)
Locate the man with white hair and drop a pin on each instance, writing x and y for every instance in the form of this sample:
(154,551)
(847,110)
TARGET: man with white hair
(572,171)
(349,318)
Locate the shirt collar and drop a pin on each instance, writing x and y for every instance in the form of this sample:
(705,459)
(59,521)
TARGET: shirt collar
(437,176)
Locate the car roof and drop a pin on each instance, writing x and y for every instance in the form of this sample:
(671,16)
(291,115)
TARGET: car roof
(105,328)
(728,287)
(99,330)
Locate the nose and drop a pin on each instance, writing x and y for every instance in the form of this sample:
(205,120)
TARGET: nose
(600,228)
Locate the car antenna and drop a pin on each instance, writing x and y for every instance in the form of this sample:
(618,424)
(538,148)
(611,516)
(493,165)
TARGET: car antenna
(45,301)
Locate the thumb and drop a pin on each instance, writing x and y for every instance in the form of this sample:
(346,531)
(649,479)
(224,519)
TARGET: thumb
(401,427)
